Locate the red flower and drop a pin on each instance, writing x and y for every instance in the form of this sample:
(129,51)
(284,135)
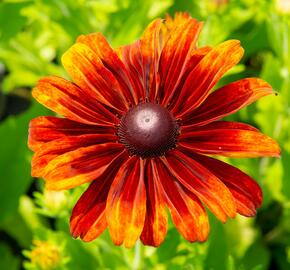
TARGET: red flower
(140,122)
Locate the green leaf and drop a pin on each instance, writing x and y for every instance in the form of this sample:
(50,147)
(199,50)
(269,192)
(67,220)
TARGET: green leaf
(286,173)
(15,159)
(8,260)
(7,12)
(256,257)
(168,249)
(217,252)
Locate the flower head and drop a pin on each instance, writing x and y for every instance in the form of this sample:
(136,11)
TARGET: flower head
(140,124)
(45,256)
(52,203)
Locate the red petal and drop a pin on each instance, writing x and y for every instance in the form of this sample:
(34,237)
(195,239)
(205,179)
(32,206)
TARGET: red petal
(55,148)
(141,60)
(88,71)
(155,226)
(194,58)
(68,100)
(44,129)
(246,192)
(228,100)
(217,125)
(200,181)
(163,50)
(225,138)
(132,58)
(88,218)
(150,45)
(205,75)
(126,203)
(99,45)
(176,54)
(187,212)
(80,166)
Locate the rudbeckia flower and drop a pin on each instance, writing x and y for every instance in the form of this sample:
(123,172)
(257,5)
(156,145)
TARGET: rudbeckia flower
(141,125)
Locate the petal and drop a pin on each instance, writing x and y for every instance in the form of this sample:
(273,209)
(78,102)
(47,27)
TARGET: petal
(132,58)
(161,54)
(217,125)
(126,203)
(201,182)
(44,129)
(194,58)
(141,60)
(80,166)
(55,148)
(99,45)
(176,54)
(246,192)
(187,212)
(150,48)
(205,75)
(68,100)
(155,226)
(228,99)
(89,73)
(88,218)
(228,139)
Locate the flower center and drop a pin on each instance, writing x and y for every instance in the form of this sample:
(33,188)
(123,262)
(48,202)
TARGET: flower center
(148,130)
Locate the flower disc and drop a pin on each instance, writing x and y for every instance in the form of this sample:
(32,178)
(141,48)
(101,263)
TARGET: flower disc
(148,130)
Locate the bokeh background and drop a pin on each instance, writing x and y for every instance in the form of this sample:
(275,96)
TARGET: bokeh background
(34,223)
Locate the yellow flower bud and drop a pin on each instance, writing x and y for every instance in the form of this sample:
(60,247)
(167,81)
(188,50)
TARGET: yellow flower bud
(46,255)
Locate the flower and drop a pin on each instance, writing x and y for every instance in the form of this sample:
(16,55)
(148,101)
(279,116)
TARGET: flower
(52,203)
(283,6)
(45,255)
(140,124)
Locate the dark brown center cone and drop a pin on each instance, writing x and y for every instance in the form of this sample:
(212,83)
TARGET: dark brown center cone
(148,130)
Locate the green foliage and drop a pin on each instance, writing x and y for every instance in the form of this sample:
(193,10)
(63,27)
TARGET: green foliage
(15,159)
(33,36)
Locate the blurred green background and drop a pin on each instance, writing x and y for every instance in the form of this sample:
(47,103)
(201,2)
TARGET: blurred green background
(34,229)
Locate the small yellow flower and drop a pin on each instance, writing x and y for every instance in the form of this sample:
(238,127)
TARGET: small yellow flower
(55,200)
(46,255)
(52,203)
(283,6)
